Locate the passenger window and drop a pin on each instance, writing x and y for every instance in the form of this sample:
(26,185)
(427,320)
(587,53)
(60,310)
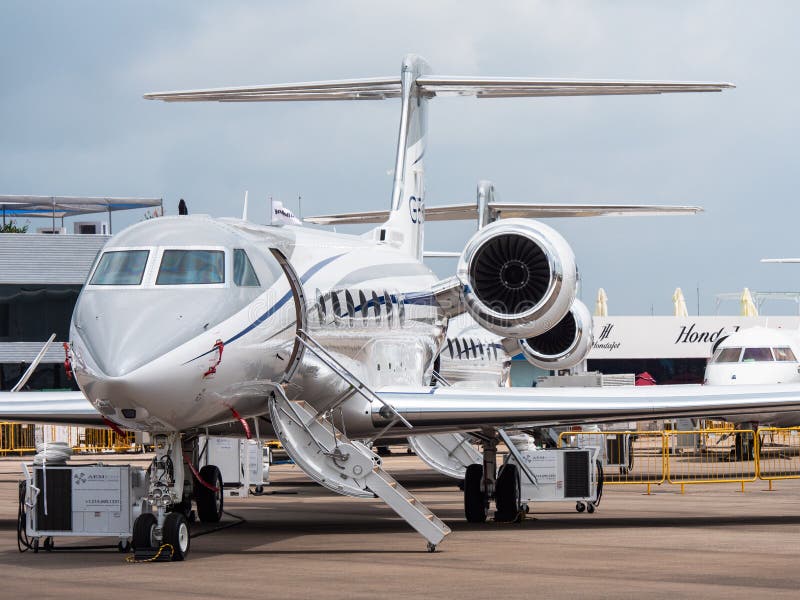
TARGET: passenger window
(191,267)
(450,347)
(376,307)
(401,310)
(362,301)
(387,298)
(784,355)
(757,355)
(243,273)
(336,307)
(321,309)
(728,355)
(458,348)
(123,267)
(351,307)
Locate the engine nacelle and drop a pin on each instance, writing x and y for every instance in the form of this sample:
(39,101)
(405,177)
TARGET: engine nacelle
(565,345)
(518,277)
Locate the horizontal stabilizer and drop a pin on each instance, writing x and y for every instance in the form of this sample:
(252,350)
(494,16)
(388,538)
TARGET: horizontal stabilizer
(780,260)
(430,86)
(504,210)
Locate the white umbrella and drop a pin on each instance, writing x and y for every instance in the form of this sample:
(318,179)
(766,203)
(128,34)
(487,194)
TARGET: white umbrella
(601,306)
(748,306)
(680,303)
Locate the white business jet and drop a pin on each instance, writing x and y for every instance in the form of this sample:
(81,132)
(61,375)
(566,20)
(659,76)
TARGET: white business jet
(188,322)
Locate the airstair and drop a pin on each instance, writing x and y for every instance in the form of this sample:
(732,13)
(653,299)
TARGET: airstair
(342,465)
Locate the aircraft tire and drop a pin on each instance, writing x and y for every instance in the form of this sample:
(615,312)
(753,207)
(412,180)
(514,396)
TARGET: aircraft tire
(143,527)
(506,493)
(176,534)
(209,502)
(475,504)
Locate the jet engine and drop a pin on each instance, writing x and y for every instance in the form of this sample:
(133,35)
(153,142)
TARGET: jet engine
(518,277)
(563,346)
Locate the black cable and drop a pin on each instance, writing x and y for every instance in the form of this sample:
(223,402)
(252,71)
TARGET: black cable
(223,525)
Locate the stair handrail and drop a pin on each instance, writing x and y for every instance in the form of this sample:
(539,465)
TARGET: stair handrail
(350,378)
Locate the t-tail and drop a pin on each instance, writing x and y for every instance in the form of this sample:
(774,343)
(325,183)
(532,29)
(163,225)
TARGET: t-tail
(402,225)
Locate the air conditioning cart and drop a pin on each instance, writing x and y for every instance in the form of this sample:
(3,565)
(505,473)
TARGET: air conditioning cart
(549,475)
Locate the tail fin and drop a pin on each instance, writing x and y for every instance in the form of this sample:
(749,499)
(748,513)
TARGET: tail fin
(405,225)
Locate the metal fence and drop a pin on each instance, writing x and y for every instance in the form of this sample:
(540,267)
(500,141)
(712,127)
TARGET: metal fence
(703,456)
(21,439)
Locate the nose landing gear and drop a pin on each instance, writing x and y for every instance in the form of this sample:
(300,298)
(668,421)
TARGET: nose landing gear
(161,532)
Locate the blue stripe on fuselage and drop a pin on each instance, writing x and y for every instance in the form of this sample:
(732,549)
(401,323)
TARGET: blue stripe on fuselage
(275,307)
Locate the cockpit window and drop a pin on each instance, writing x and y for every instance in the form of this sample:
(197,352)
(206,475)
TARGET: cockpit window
(243,273)
(120,267)
(784,355)
(185,267)
(757,355)
(728,355)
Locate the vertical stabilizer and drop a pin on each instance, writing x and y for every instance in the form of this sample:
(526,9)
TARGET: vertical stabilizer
(405,225)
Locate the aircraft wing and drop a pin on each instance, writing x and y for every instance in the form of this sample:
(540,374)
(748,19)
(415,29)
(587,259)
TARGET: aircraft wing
(507,210)
(52,408)
(780,260)
(443,409)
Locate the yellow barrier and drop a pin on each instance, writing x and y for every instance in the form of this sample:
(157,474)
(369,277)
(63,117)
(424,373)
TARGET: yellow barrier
(16,438)
(778,455)
(711,456)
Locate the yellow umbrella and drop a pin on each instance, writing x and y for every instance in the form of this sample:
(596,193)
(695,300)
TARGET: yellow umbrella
(601,306)
(748,306)
(680,303)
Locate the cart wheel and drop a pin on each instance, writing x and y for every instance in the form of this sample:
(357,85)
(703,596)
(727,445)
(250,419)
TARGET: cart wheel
(36,546)
(431,547)
(48,544)
(590,507)
(124,547)
(580,507)
(259,489)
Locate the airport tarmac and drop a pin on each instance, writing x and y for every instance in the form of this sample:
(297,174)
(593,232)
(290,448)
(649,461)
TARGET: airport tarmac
(301,541)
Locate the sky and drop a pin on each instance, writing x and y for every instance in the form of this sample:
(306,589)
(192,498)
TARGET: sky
(73,122)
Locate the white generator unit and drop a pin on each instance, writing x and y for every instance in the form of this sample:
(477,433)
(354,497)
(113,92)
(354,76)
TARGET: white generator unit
(83,500)
(558,475)
(240,462)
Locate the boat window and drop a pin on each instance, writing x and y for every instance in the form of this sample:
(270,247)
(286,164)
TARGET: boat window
(757,355)
(243,273)
(728,355)
(191,267)
(784,355)
(120,267)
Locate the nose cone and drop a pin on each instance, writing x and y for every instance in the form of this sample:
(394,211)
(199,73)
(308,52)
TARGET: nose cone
(124,330)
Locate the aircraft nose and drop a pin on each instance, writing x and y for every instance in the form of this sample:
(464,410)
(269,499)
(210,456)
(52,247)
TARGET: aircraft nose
(124,331)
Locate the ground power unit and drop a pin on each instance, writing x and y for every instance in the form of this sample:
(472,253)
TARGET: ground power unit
(558,475)
(240,462)
(83,500)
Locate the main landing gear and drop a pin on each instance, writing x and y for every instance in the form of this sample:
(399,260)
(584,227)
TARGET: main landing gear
(162,530)
(482,484)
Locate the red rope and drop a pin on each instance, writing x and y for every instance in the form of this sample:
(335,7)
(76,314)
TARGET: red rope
(219,345)
(203,482)
(239,418)
(113,426)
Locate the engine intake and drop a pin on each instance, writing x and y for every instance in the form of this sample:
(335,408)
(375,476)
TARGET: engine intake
(518,277)
(563,346)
